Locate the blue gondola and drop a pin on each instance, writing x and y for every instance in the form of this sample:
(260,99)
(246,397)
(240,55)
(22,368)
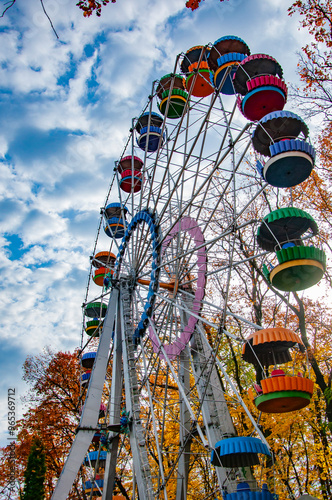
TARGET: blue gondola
(91,458)
(85,378)
(115,224)
(149,128)
(88,359)
(227,51)
(96,486)
(282,136)
(238,452)
(244,492)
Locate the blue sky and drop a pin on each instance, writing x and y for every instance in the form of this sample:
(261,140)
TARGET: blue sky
(65,111)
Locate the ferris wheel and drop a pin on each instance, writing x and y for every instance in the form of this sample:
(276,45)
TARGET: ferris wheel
(167,259)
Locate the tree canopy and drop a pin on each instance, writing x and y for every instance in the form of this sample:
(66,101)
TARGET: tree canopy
(51,418)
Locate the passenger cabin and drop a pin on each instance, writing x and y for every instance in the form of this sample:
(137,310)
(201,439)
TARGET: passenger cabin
(173,95)
(278,391)
(198,75)
(285,232)
(283,137)
(224,57)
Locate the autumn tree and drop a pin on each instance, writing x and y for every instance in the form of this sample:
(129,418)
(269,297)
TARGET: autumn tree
(53,414)
(315,64)
(301,444)
(316,59)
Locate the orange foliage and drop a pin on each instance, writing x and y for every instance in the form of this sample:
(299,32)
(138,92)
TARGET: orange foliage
(315,67)
(90,6)
(316,17)
(194,4)
(53,417)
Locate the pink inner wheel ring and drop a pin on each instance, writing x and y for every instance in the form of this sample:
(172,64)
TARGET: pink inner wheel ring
(190,226)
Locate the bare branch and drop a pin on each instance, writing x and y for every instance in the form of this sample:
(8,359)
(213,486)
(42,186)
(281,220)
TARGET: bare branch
(11,3)
(48,17)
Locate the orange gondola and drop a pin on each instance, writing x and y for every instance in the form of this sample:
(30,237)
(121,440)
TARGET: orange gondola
(279,393)
(104,263)
(284,393)
(100,274)
(198,74)
(270,346)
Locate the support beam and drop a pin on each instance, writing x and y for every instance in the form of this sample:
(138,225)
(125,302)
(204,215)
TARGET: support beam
(141,467)
(114,412)
(91,407)
(185,428)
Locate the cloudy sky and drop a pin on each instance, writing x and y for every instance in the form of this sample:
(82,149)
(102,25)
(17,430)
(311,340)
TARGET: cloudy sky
(65,112)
